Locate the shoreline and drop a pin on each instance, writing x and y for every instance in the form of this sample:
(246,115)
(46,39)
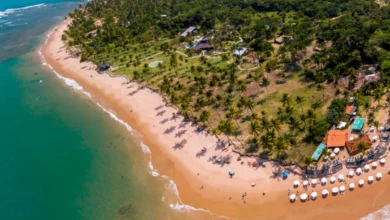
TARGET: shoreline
(146,112)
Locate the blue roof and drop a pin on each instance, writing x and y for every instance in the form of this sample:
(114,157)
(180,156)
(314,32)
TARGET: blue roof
(318,151)
(358,124)
(240,52)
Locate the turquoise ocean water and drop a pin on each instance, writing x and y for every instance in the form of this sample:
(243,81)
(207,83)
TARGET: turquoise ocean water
(61,155)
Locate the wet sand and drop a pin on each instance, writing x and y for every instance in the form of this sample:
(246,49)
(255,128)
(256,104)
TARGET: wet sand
(191,169)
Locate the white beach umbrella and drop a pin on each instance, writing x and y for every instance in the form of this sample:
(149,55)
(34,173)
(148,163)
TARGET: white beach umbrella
(388,170)
(296,183)
(332,179)
(379,175)
(342,188)
(336,150)
(382,161)
(351,138)
(359,171)
(370,178)
(325,192)
(352,185)
(351,173)
(374,165)
(323,180)
(372,128)
(374,138)
(335,190)
(303,196)
(332,155)
(381,128)
(313,195)
(361,182)
(314,181)
(293,197)
(305,183)
(366,167)
(341,177)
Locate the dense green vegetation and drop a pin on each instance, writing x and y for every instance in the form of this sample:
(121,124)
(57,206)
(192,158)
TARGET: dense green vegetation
(279,106)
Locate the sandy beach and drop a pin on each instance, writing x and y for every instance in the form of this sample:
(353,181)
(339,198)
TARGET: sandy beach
(176,148)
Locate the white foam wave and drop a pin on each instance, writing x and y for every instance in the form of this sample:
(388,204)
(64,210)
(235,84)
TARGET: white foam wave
(145,148)
(113,116)
(383,213)
(13,10)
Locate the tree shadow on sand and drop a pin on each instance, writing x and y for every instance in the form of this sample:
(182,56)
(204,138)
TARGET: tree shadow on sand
(180,145)
(169,130)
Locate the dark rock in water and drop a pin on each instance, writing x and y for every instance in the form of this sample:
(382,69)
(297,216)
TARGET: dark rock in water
(128,212)
(35,73)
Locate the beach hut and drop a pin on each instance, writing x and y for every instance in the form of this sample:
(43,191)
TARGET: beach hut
(370,179)
(313,195)
(335,190)
(361,182)
(305,183)
(341,177)
(293,197)
(296,183)
(366,167)
(342,188)
(351,186)
(374,165)
(314,182)
(336,150)
(382,161)
(323,181)
(325,192)
(303,197)
(379,176)
(332,179)
(351,173)
(359,171)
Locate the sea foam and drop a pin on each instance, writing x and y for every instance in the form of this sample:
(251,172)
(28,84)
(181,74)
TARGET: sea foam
(383,213)
(13,10)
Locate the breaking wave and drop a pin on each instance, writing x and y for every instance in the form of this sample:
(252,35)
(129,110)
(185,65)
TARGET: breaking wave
(13,10)
(383,213)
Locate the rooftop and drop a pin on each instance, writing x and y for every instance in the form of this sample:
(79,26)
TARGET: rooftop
(336,138)
(358,124)
(352,145)
(350,109)
(189,30)
(240,52)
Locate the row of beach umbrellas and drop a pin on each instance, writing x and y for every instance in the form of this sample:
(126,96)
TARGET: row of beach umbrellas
(335,190)
(332,179)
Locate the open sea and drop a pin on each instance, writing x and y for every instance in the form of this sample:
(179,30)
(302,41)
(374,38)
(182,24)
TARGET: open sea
(62,156)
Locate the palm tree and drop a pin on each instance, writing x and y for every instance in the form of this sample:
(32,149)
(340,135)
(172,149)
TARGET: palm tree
(362,147)
(227,127)
(233,113)
(267,141)
(299,100)
(286,99)
(216,132)
(254,128)
(280,147)
(275,124)
(311,116)
(264,123)
(249,104)
(377,97)
(376,124)
(307,161)
(322,89)
(204,116)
